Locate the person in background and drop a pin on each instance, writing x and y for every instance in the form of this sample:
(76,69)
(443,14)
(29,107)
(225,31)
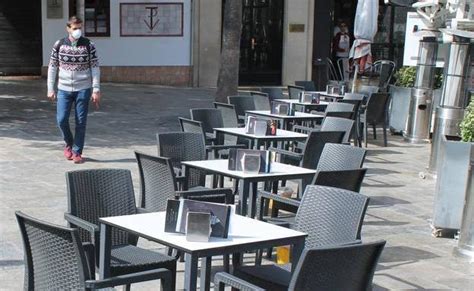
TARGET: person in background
(74,59)
(341,46)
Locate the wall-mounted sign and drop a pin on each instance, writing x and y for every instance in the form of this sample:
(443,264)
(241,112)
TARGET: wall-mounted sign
(151,19)
(296,27)
(54,9)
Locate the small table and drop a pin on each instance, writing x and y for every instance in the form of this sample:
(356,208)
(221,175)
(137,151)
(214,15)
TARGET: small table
(286,119)
(278,171)
(306,105)
(257,140)
(245,234)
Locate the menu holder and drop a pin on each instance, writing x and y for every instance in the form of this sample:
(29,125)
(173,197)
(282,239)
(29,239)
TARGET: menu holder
(178,223)
(250,124)
(236,156)
(198,226)
(281,108)
(251,163)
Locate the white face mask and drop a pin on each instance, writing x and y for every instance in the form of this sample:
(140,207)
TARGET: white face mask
(76,34)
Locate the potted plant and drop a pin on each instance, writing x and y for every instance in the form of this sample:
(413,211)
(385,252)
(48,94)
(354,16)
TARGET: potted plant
(452,185)
(401,92)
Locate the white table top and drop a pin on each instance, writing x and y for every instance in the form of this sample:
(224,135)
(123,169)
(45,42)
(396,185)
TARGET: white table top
(276,169)
(298,115)
(280,134)
(242,230)
(296,101)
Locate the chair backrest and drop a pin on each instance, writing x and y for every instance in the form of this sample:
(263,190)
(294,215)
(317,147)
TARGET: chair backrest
(189,125)
(314,146)
(273,92)
(180,147)
(261,100)
(331,123)
(244,93)
(157,181)
(229,119)
(331,72)
(337,157)
(242,104)
(377,108)
(54,257)
(354,96)
(385,70)
(345,179)
(210,118)
(294,91)
(330,216)
(339,107)
(96,193)
(307,85)
(349,267)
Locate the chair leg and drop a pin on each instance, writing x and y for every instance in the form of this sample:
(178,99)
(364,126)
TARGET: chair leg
(384,135)
(226,263)
(126,287)
(365,134)
(375,131)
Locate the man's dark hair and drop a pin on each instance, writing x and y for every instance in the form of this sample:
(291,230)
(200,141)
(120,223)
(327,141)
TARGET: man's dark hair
(73,20)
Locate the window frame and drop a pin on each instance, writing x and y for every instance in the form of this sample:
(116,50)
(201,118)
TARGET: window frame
(107,21)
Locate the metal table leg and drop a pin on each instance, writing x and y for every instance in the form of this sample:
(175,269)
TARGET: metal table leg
(105,250)
(205,276)
(253,199)
(244,194)
(190,272)
(296,251)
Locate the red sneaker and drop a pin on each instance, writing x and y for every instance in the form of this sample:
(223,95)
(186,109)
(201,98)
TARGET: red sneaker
(77,159)
(68,152)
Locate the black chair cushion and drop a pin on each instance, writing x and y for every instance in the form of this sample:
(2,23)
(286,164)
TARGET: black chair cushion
(269,277)
(127,259)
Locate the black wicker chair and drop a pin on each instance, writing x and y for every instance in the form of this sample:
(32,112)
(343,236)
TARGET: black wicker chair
(350,267)
(55,259)
(242,104)
(261,100)
(158,184)
(334,157)
(273,93)
(330,216)
(332,123)
(375,114)
(181,147)
(307,85)
(294,91)
(98,193)
(195,126)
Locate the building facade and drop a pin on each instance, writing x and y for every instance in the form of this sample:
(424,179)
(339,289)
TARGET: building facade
(178,42)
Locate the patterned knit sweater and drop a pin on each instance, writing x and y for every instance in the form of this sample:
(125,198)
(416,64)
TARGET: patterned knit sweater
(77,63)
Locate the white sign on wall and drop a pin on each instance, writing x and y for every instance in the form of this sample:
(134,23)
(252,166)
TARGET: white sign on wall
(412,42)
(151,19)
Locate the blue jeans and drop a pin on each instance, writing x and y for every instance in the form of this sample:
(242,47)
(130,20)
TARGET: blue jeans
(80,99)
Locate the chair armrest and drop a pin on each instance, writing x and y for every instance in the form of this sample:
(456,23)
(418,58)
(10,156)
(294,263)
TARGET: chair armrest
(234,282)
(74,220)
(302,128)
(229,195)
(142,210)
(163,274)
(286,153)
(276,197)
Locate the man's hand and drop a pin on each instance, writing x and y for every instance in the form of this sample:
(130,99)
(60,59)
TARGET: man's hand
(96,99)
(52,95)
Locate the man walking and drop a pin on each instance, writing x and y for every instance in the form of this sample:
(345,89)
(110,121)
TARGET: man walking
(75,59)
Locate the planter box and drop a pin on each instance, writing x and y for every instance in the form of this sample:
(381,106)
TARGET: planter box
(452,183)
(400,105)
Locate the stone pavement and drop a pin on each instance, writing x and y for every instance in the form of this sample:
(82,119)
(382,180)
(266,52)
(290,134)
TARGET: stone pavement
(32,179)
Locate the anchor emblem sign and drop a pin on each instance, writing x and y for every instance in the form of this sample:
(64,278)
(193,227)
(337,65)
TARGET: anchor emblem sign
(152,13)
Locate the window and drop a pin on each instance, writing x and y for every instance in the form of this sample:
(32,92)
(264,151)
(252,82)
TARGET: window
(97,17)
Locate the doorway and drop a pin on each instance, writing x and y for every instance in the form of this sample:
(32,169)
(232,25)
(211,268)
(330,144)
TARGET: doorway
(261,43)
(20,37)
